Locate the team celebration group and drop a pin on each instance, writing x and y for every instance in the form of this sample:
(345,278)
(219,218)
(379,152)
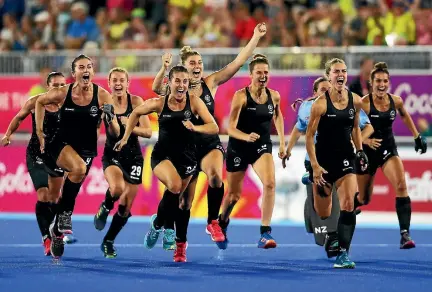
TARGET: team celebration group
(347,138)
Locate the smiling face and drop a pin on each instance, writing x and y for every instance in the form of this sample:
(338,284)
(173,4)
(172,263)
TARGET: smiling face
(118,83)
(338,76)
(260,75)
(179,84)
(380,84)
(83,72)
(195,67)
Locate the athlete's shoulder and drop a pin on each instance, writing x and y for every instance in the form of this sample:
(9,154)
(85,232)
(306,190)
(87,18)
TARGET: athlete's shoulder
(273,92)
(241,91)
(136,100)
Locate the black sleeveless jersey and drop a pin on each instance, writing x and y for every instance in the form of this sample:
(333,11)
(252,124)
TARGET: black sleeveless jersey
(335,127)
(207,98)
(132,148)
(255,117)
(79,124)
(50,126)
(173,135)
(382,122)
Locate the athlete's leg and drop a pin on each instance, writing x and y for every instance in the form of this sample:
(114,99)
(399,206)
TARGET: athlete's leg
(114,177)
(264,168)
(346,189)
(120,219)
(212,166)
(394,171)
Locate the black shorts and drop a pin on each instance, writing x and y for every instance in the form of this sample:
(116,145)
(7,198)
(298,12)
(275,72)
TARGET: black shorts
(336,164)
(53,150)
(239,158)
(184,161)
(378,157)
(203,149)
(36,169)
(131,167)
(51,167)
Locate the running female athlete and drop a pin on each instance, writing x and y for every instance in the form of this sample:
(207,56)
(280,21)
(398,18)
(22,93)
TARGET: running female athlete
(381,108)
(75,143)
(335,120)
(252,110)
(173,159)
(312,220)
(210,152)
(122,169)
(47,178)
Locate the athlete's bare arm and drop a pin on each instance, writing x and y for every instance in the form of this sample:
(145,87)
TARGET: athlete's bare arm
(279,122)
(405,116)
(237,104)
(19,117)
(153,105)
(158,81)
(356,132)
(144,127)
(54,96)
(198,107)
(318,109)
(220,77)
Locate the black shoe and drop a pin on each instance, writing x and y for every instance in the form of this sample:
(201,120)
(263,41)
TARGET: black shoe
(331,246)
(107,247)
(64,224)
(406,241)
(57,244)
(100,218)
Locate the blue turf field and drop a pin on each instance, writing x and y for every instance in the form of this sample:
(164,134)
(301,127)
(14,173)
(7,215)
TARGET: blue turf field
(296,265)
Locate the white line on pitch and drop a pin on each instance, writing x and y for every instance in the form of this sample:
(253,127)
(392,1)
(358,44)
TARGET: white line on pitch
(204,245)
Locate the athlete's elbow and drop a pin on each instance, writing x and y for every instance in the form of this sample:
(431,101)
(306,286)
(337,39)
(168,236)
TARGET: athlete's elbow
(214,129)
(147,133)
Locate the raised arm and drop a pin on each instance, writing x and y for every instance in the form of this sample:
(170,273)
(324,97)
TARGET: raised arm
(19,117)
(198,107)
(220,77)
(158,81)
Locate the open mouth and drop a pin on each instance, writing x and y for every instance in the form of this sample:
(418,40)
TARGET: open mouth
(382,89)
(180,91)
(196,73)
(263,81)
(86,77)
(340,80)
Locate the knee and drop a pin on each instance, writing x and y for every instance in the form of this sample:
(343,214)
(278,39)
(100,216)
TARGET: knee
(215,179)
(175,186)
(43,194)
(269,186)
(124,211)
(78,172)
(117,188)
(401,186)
(185,205)
(346,205)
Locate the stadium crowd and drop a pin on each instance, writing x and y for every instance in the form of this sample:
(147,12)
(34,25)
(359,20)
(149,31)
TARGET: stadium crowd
(36,25)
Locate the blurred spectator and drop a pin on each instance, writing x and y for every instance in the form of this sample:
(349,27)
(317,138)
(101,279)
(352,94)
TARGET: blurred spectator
(136,35)
(398,23)
(424,127)
(244,25)
(83,27)
(361,85)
